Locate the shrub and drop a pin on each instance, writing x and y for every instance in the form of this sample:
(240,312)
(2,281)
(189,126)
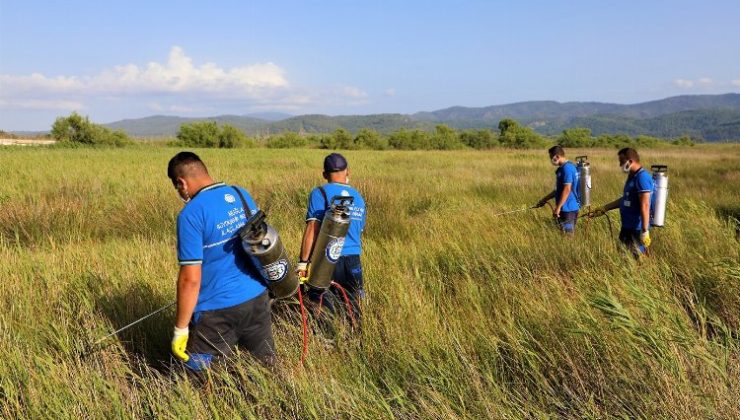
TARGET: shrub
(370,139)
(286,140)
(517,136)
(479,139)
(78,130)
(209,134)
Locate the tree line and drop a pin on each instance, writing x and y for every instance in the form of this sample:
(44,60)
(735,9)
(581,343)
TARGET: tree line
(78,130)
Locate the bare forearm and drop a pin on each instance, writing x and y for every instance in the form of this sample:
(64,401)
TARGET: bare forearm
(188,287)
(309,238)
(645,211)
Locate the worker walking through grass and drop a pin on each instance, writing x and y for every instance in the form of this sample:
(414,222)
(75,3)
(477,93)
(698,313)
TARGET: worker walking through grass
(348,269)
(221,302)
(634,205)
(567,202)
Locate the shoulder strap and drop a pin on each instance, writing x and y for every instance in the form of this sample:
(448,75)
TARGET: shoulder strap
(326,199)
(245,206)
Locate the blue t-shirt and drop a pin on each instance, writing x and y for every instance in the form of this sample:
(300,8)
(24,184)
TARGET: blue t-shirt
(207,236)
(629,207)
(567,174)
(318,205)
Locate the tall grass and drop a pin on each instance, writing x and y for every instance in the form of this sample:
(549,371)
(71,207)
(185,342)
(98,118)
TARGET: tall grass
(468,315)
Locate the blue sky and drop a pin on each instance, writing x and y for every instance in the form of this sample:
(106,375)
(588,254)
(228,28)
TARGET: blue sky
(128,59)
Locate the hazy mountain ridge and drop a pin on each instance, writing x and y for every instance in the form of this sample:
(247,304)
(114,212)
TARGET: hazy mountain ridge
(712,117)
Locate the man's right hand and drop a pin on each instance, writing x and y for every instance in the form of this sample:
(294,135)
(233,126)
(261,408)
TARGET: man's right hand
(180,342)
(301,270)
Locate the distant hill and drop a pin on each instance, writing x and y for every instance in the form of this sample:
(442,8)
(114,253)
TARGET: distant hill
(163,125)
(270,116)
(712,117)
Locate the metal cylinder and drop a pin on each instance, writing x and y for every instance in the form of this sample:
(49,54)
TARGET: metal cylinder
(262,244)
(328,246)
(660,195)
(584,183)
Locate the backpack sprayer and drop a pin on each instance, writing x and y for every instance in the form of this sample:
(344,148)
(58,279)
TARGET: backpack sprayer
(327,250)
(584,186)
(263,246)
(329,243)
(660,195)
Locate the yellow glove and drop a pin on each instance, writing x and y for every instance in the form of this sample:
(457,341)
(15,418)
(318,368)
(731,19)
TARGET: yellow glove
(302,269)
(598,211)
(645,239)
(180,342)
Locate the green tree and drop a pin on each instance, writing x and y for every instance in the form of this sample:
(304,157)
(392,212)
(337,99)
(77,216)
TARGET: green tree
(76,129)
(231,137)
(575,137)
(479,139)
(409,140)
(286,140)
(210,134)
(445,138)
(199,134)
(370,139)
(339,139)
(517,136)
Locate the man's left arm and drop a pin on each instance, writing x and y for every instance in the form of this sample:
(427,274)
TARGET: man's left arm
(561,200)
(188,287)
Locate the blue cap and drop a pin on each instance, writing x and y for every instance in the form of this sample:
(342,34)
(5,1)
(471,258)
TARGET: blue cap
(334,163)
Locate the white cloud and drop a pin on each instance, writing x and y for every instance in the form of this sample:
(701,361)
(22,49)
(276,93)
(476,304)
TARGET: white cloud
(683,83)
(177,75)
(178,85)
(705,81)
(736,82)
(390,92)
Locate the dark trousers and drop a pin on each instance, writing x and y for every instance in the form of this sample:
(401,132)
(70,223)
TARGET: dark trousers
(348,274)
(214,335)
(631,239)
(567,221)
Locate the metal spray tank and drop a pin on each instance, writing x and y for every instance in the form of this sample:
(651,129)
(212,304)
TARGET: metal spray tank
(584,185)
(660,195)
(262,244)
(328,246)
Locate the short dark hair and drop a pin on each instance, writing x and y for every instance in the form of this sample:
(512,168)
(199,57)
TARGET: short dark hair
(184,164)
(556,150)
(629,154)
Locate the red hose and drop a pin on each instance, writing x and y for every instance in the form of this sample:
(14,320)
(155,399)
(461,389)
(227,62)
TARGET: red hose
(304,321)
(346,302)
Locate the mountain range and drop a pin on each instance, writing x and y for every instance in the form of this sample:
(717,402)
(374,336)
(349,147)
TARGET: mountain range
(710,117)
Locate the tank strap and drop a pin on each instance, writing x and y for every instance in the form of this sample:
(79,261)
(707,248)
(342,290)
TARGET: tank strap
(245,206)
(323,194)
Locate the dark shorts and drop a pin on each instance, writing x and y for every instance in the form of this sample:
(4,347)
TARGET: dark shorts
(348,274)
(631,239)
(567,221)
(214,335)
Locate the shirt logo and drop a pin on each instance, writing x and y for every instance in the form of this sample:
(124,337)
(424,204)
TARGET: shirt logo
(345,193)
(229,198)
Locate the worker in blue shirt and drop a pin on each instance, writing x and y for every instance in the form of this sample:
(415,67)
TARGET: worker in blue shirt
(634,204)
(348,269)
(221,301)
(567,203)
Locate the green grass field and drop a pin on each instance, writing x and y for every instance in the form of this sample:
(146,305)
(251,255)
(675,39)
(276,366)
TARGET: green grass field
(469,315)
